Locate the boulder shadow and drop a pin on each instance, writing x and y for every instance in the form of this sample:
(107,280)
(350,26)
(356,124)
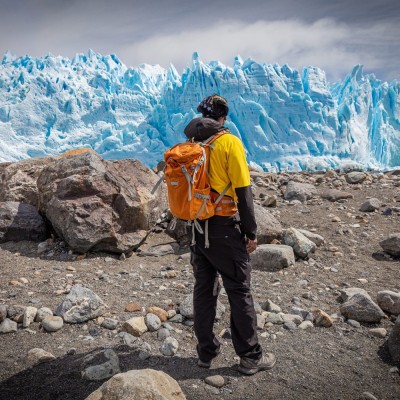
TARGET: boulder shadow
(61,379)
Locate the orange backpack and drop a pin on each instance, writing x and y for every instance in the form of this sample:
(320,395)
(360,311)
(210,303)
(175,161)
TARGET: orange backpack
(189,191)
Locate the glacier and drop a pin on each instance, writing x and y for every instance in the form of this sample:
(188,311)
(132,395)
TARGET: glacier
(287,119)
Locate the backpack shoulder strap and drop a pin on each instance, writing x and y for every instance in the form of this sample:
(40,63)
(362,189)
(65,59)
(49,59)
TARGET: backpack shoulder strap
(214,137)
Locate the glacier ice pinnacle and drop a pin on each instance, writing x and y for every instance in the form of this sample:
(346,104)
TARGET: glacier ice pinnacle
(51,104)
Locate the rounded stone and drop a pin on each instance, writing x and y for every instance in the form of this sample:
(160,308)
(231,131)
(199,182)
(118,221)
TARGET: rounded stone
(43,313)
(217,381)
(52,323)
(153,322)
(169,347)
(163,333)
(378,332)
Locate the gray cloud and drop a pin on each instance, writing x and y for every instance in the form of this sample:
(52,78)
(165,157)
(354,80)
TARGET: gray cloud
(333,35)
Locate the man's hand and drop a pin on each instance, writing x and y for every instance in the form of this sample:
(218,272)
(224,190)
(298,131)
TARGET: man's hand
(251,245)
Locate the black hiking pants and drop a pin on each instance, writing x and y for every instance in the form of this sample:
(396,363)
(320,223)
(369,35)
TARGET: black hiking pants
(227,256)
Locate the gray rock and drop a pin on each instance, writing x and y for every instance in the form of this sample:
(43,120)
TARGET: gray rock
(19,221)
(347,293)
(3,312)
(335,195)
(391,244)
(275,319)
(297,319)
(317,239)
(99,205)
(163,333)
(290,326)
(186,308)
(29,316)
(128,339)
(217,381)
(38,356)
(355,177)
(43,313)
(389,301)
(177,319)
(306,325)
(16,313)
(153,322)
(302,246)
(109,323)
(268,227)
(370,205)
(300,311)
(100,365)
(142,384)
(362,309)
(52,323)
(299,191)
(269,201)
(353,323)
(394,341)
(8,326)
(169,347)
(272,257)
(271,307)
(80,305)
(260,321)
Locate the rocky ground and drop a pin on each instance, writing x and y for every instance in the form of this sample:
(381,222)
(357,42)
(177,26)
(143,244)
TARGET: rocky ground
(345,361)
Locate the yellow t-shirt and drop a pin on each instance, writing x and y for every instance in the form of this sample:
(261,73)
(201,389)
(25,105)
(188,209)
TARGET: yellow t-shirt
(228,164)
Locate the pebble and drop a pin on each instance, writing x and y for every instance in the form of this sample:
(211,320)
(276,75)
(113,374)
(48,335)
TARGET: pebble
(321,318)
(353,323)
(8,326)
(109,323)
(378,332)
(133,307)
(52,323)
(163,333)
(217,381)
(3,312)
(153,322)
(169,347)
(159,312)
(290,326)
(275,319)
(29,316)
(306,325)
(136,326)
(37,356)
(362,280)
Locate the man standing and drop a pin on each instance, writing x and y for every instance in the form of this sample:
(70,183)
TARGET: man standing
(229,246)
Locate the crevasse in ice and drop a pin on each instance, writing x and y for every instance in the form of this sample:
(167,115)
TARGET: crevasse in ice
(287,119)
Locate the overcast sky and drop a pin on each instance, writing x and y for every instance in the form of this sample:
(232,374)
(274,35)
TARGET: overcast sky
(333,35)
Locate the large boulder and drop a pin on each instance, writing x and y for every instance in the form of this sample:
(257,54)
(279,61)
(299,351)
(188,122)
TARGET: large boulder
(99,205)
(18,180)
(299,191)
(19,221)
(391,244)
(144,384)
(272,257)
(268,227)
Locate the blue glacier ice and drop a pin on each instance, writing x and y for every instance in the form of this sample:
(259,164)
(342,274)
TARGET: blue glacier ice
(287,119)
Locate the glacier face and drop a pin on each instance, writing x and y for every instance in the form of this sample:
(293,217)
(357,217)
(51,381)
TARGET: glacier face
(286,119)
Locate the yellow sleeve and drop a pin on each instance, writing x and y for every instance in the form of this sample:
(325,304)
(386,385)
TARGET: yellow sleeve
(238,170)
